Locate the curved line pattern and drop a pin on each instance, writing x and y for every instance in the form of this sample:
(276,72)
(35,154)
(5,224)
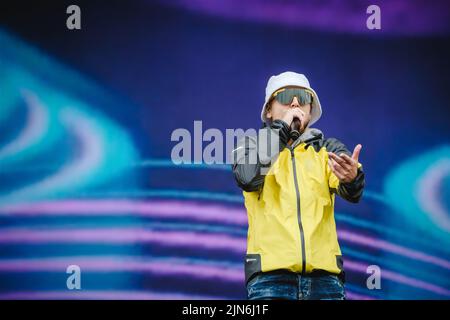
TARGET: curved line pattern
(404,187)
(191,228)
(169,266)
(34,130)
(210,213)
(427,193)
(73,173)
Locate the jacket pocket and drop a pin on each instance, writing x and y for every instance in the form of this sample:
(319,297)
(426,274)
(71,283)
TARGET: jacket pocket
(252,265)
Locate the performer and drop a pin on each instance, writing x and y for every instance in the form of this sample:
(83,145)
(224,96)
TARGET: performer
(292,246)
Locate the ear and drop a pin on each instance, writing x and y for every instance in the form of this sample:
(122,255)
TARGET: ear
(268,111)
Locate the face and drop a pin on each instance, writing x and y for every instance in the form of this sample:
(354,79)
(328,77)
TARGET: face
(276,111)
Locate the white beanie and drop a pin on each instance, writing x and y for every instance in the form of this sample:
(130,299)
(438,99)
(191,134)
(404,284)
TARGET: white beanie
(290,78)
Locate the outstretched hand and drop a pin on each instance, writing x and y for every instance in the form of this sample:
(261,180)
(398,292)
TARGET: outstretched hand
(344,167)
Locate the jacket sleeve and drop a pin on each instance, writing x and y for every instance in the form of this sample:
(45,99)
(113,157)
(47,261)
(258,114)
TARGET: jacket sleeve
(248,163)
(351,191)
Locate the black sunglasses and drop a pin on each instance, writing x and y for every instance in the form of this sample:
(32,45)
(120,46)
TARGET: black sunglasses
(286,95)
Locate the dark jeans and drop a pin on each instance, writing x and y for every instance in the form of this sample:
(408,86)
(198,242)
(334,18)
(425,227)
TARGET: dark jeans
(292,286)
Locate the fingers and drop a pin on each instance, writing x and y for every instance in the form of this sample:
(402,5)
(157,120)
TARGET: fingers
(337,167)
(356,152)
(344,167)
(296,112)
(349,160)
(291,113)
(341,160)
(337,171)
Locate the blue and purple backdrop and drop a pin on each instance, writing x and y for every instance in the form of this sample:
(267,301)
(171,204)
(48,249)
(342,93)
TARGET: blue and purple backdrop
(86,118)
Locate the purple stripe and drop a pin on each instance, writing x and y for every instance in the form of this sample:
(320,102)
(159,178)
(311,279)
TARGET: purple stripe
(381,244)
(180,238)
(398,17)
(356,296)
(123,235)
(102,295)
(386,274)
(194,211)
(200,212)
(121,264)
(167,267)
(165,209)
(123,295)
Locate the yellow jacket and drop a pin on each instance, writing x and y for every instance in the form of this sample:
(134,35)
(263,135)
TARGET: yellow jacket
(291,208)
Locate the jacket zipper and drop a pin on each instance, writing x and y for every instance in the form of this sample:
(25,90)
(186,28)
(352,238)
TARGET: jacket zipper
(297,191)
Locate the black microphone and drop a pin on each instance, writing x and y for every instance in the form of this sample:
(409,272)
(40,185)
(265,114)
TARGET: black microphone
(295,129)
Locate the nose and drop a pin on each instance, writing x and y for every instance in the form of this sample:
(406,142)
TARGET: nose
(294,102)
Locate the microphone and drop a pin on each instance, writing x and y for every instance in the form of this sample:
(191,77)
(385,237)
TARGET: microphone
(295,129)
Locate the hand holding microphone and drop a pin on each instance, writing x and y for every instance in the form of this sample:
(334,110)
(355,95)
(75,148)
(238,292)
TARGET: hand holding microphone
(293,118)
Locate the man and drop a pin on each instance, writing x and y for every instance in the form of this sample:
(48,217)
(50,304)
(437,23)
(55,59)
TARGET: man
(292,246)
